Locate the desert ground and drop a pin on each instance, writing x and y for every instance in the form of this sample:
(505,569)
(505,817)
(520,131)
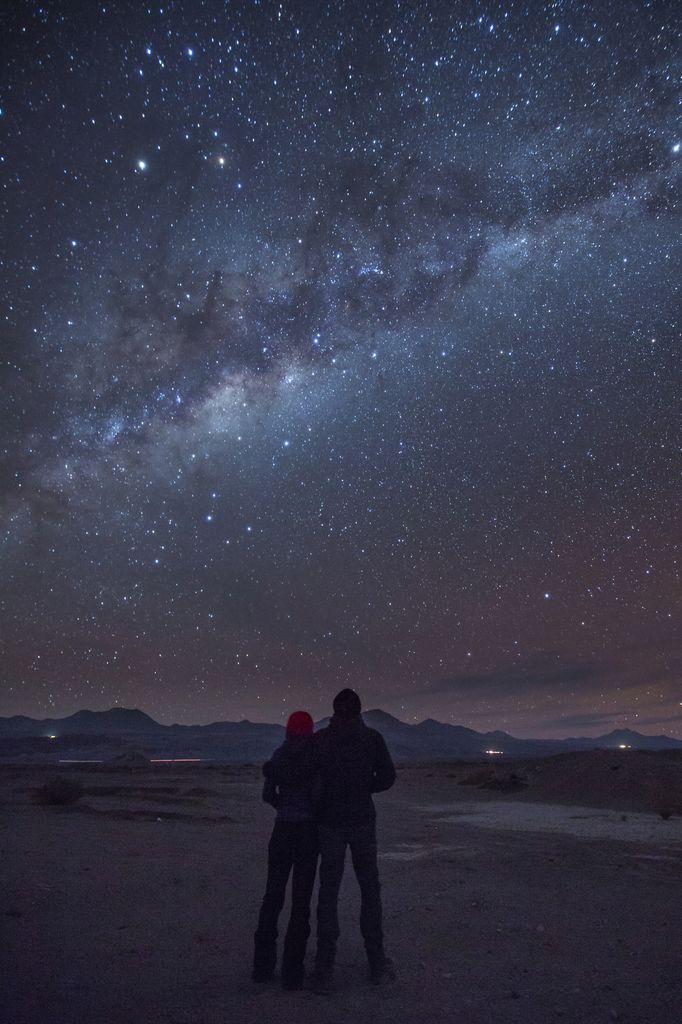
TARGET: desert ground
(529,894)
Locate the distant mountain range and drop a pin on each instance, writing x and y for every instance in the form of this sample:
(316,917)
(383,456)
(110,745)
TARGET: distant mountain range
(104,734)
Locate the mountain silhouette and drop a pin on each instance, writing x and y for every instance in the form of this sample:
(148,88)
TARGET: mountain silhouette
(254,741)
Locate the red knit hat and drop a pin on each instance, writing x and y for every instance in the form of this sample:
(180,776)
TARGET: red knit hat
(300,724)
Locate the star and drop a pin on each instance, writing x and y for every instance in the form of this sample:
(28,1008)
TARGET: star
(398,355)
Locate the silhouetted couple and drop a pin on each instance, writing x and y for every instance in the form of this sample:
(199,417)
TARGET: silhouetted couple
(321,785)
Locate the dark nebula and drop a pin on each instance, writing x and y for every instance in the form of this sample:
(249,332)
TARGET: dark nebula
(341,347)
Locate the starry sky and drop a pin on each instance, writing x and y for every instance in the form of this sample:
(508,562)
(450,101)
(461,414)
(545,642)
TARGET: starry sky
(340,347)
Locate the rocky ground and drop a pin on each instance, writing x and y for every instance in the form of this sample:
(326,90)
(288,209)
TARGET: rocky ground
(552,895)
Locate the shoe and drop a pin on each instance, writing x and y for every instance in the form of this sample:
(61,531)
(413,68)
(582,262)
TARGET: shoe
(382,971)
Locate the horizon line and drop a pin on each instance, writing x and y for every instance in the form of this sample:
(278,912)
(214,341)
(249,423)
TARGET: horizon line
(198,725)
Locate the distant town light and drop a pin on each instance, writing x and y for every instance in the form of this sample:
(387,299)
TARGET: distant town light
(493,751)
(52,736)
(625,746)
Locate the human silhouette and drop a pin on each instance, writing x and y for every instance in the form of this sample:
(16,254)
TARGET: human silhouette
(354,762)
(289,782)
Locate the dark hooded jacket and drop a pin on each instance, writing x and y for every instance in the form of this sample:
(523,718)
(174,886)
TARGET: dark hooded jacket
(290,779)
(353,762)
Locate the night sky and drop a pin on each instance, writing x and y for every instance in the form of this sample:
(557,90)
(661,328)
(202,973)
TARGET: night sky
(341,347)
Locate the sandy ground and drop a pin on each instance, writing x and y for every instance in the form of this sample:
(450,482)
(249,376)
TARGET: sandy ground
(582,822)
(138,904)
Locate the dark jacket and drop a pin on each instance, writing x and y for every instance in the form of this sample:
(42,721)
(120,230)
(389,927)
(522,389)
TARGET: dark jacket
(354,762)
(290,777)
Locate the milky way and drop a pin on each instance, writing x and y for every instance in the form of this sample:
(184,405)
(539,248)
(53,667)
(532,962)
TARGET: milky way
(341,347)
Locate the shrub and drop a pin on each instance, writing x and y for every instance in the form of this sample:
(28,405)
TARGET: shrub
(59,791)
(666,813)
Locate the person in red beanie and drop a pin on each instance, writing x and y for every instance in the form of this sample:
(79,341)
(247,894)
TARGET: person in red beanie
(290,783)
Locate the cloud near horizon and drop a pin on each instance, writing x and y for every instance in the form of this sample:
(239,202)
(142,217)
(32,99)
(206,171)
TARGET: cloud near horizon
(586,720)
(546,669)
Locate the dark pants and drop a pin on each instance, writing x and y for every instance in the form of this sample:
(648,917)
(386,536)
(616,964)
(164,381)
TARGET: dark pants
(363,850)
(293,844)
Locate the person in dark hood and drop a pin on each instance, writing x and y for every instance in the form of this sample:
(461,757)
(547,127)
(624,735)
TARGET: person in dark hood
(290,780)
(354,762)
